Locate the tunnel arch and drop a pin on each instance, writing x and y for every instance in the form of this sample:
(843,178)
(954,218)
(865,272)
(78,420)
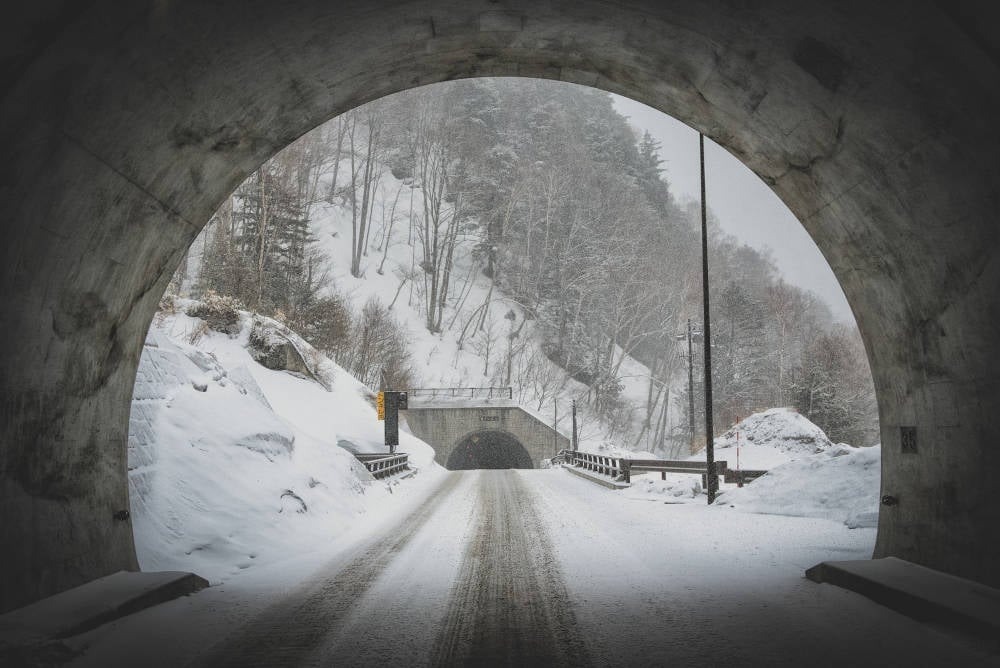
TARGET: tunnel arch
(125,125)
(489,449)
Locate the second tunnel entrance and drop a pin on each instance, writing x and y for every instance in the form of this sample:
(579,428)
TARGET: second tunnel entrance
(489,450)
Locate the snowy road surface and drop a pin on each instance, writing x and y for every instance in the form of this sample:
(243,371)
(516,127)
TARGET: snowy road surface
(525,568)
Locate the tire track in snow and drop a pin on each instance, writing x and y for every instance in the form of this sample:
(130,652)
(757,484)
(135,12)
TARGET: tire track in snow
(509,605)
(287,633)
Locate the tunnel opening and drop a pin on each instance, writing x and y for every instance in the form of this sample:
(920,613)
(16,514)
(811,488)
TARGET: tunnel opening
(819,139)
(489,450)
(481,450)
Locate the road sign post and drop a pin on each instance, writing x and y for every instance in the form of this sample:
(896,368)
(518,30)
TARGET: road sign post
(390,405)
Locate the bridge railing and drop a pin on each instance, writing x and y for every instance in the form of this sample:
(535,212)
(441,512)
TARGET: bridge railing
(615,467)
(382,465)
(621,468)
(461,392)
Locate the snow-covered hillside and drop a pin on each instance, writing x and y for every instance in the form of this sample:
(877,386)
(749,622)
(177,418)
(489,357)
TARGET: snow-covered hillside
(512,248)
(462,355)
(233,465)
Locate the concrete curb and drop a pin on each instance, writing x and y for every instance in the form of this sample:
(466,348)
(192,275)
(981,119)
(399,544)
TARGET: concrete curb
(90,605)
(918,592)
(604,482)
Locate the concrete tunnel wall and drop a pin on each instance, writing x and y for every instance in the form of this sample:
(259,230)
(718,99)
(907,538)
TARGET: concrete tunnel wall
(124,124)
(444,428)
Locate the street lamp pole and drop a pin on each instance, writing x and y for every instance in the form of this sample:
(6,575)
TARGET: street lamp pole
(712,478)
(690,387)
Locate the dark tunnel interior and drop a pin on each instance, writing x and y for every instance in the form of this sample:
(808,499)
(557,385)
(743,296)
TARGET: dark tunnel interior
(489,450)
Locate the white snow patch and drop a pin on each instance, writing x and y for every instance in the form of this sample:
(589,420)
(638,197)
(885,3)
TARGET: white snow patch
(232,465)
(808,476)
(841,483)
(784,429)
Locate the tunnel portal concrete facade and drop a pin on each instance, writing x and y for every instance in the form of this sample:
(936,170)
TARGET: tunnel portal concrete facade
(125,124)
(446,427)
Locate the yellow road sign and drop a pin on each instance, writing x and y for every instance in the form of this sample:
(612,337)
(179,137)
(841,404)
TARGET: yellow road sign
(380,405)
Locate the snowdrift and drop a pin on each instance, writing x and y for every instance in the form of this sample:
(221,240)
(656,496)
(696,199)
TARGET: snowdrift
(233,465)
(840,483)
(769,438)
(808,476)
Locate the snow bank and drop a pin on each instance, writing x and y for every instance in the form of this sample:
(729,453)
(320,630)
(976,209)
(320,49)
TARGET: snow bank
(841,483)
(808,476)
(768,439)
(677,488)
(233,465)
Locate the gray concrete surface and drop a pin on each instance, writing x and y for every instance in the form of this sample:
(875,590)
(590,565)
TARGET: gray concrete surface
(447,427)
(919,592)
(124,124)
(90,605)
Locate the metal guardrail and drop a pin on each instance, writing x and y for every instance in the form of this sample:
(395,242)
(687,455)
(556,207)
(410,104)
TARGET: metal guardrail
(665,466)
(616,467)
(463,392)
(382,465)
(621,468)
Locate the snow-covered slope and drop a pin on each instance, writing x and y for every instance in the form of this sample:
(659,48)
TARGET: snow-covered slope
(232,465)
(440,360)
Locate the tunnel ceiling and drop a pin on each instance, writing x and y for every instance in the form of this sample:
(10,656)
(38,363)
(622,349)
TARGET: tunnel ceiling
(125,124)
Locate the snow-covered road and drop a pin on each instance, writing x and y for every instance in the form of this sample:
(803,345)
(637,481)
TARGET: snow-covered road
(468,579)
(525,568)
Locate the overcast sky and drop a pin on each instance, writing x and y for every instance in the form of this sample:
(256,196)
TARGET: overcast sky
(745,206)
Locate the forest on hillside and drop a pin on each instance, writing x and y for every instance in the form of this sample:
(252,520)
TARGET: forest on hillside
(546,190)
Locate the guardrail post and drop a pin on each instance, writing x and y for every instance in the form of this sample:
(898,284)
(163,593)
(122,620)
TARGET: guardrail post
(721,467)
(627,470)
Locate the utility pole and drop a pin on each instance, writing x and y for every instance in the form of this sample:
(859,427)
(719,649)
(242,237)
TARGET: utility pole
(575,440)
(712,478)
(413,250)
(555,425)
(690,388)
(409,236)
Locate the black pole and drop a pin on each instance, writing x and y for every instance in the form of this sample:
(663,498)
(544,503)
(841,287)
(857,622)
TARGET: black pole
(690,388)
(555,425)
(575,441)
(713,479)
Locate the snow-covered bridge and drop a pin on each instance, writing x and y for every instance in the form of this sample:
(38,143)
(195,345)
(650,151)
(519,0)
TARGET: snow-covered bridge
(481,430)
